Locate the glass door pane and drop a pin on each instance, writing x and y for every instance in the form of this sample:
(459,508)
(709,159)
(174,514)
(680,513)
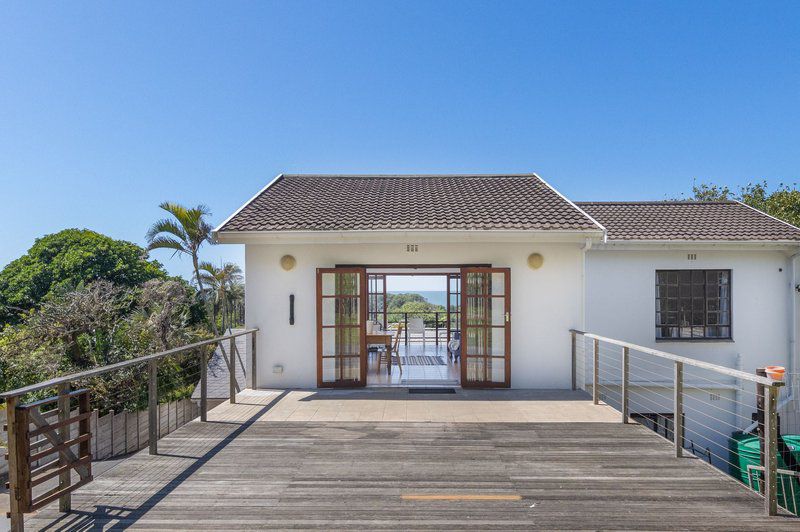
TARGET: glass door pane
(341,316)
(486,327)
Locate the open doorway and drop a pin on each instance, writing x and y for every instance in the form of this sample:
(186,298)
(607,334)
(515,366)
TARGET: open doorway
(366,328)
(414,315)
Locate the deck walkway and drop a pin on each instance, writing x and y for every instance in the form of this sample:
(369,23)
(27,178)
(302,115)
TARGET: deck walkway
(388,460)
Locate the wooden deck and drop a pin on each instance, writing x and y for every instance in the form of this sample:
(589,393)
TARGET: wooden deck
(250,468)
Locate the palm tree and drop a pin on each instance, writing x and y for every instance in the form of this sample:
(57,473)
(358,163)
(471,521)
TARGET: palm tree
(224,288)
(185,232)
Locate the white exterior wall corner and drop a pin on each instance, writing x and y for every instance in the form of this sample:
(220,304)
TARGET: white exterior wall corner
(545,303)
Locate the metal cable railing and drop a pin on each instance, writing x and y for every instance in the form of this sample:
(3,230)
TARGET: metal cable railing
(58,428)
(724,416)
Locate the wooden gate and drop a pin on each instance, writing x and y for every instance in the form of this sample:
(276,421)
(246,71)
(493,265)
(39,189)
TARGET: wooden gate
(32,438)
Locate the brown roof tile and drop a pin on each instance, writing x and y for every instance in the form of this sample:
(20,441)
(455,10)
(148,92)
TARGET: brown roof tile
(440,202)
(687,220)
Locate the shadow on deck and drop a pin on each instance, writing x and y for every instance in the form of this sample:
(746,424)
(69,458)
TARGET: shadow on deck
(384,459)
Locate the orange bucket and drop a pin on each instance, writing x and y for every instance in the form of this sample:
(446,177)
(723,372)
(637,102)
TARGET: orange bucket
(775,373)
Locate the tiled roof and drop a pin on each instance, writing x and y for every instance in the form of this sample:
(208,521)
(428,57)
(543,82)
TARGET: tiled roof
(438,202)
(687,220)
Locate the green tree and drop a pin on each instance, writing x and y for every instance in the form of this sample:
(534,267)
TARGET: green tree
(415,305)
(65,260)
(184,233)
(224,289)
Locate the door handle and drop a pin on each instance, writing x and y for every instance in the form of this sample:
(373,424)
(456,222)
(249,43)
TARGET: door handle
(508,317)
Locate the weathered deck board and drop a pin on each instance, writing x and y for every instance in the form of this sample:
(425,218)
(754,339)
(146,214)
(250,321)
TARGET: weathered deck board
(244,471)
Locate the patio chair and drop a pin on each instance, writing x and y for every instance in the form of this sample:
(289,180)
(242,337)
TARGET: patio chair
(417,326)
(394,352)
(454,346)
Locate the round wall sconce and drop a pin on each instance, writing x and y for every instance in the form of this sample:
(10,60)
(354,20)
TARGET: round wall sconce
(535,261)
(288,262)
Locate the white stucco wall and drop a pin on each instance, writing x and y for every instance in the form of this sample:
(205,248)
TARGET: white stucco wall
(545,303)
(620,302)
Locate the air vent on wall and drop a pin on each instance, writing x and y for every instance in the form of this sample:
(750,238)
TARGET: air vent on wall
(691,256)
(412,248)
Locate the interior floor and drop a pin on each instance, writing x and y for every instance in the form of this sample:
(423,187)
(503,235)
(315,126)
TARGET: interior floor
(427,365)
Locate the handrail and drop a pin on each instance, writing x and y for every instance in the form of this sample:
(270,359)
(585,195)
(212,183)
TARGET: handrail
(685,360)
(118,365)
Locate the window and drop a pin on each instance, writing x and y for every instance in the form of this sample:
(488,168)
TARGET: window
(693,304)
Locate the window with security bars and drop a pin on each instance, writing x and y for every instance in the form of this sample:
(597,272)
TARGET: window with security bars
(693,304)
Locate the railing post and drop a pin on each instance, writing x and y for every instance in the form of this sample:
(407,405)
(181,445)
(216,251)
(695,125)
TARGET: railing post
(253,362)
(574,359)
(152,406)
(436,320)
(14,495)
(203,384)
(625,377)
(405,325)
(677,422)
(232,370)
(771,450)
(65,501)
(596,373)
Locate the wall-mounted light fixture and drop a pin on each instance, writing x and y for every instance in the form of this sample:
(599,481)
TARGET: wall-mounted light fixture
(535,261)
(291,309)
(288,262)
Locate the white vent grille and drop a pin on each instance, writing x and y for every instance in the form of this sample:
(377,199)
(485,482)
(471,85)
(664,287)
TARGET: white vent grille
(691,256)
(412,248)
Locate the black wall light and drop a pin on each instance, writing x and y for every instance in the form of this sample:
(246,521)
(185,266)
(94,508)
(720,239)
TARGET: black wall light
(291,309)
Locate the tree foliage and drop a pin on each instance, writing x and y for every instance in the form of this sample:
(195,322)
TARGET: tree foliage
(413,304)
(99,324)
(782,202)
(224,289)
(66,260)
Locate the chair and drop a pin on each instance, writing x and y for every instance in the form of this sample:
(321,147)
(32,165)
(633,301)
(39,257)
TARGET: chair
(383,355)
(417,326)
(454,346)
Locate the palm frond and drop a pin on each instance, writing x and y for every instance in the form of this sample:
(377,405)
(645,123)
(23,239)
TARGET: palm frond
(166,226)
(166,242)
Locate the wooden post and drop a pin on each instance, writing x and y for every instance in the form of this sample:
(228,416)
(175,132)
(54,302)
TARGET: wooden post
(253,361)
(596,373)
(152,406)
(232,370)
(625,377)
(203,384)
(574,359)
(677,422)
(14,465)
(112,414)
(65,501)
(771,450)
(85,425)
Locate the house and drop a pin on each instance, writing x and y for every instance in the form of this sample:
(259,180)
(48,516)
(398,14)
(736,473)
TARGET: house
(524,264)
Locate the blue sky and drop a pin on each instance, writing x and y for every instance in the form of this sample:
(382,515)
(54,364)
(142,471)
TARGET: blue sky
(107,109)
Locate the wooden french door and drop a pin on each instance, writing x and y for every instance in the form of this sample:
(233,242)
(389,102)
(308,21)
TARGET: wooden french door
(486,327)
(341,319)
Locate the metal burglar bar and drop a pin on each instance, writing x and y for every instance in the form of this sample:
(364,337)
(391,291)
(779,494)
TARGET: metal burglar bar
(669,392)
(33,435)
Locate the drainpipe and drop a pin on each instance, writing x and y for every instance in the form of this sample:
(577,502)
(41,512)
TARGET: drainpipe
(587,245)
(794,355)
